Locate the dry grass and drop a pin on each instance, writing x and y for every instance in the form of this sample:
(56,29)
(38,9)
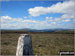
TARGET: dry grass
(51,44)
(43,44)
(9,43)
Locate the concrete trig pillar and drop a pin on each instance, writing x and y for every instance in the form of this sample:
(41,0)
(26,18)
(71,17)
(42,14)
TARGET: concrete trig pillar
(24,47)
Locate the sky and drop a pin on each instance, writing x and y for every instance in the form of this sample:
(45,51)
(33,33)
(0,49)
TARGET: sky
(37,14)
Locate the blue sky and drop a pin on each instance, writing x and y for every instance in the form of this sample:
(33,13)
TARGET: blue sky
(37,14)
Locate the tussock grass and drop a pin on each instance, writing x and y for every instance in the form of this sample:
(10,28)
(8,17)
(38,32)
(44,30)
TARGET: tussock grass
(43,44)
(51,44)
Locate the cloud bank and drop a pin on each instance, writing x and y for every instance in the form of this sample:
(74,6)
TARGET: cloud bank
(18,23)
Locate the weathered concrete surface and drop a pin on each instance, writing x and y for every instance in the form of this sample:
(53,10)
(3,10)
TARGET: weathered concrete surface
(24,47)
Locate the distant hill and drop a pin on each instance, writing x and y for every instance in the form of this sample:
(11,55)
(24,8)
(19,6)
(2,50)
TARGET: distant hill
(26,30)
(55,30)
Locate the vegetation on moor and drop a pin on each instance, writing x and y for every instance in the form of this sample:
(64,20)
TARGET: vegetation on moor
(43,44)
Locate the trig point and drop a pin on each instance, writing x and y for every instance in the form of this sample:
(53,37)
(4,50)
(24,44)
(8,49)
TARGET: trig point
(24,47)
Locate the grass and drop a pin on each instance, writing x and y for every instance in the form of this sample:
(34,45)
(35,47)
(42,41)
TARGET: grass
(43,44)
(51,44)
(9,43)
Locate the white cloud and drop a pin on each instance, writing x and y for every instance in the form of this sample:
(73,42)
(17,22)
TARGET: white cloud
(8,19)
(66,7)
(25,17)
(67,20)
(9,22)
(59,20)
(15,23)
(49,19)
(67,16)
